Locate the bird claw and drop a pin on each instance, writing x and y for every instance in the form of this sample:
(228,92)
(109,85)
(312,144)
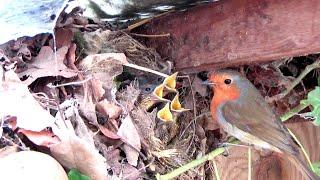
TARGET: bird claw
(226,150)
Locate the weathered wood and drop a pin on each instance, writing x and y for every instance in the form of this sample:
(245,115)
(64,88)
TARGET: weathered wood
(231,32)
(272,166)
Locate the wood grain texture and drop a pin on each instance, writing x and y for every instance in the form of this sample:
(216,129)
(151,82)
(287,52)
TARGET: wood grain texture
(269,165)
(232,32)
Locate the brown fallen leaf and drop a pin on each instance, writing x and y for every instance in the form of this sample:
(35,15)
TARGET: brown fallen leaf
(121,169)
(129,172)
(87,107)
(24,52)
(97,89)
(109,109)
(74,152)
(16,100)
(42,138)
(63,37)
(129,133)
(45,65)
(105,131)
(71,112)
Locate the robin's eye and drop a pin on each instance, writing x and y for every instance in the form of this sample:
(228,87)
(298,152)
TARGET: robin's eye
(227,81)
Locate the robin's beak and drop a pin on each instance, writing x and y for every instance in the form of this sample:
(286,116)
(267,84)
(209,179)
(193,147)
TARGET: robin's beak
(208,83)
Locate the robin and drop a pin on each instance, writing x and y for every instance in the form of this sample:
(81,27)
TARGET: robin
(243,113)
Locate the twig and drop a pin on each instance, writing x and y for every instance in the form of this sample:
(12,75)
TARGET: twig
(197,117)
(249,163)
(303,150)
(71,58)
(140,23)
(216,172)
(151,35)
(144,21)
(287,116)
(190,165)
(308,68)
(146,69)
(70,83)
(293,111)
(194,110)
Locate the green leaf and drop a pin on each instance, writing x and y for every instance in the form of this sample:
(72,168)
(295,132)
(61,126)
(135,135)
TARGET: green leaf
(316,167)
(76,175)
(314,97)
(314,100)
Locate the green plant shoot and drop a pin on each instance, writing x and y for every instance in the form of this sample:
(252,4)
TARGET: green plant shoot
(314,100)
(74,174)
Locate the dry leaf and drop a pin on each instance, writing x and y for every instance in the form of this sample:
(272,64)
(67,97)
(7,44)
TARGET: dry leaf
(77,153)
(129,132)
(129,172)
(71,113)
(105,131)
(87,107)
(24,52)
(97,89)
(45,65)
(16,100)
(74,152)
(63,37)
(109,109)
(103,67)
(42,138)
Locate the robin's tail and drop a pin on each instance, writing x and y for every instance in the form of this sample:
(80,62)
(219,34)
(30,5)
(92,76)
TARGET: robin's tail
(305,170)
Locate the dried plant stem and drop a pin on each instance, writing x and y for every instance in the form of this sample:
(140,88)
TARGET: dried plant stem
(191,165)
(216,171)
(71,83)
(287,116)
(249,164)
(144,21)
(151,35)
(293,111)
(146,69)
(303,150)
(308,69)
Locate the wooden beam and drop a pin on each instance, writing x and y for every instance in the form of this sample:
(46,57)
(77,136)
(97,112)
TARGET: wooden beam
(232,32)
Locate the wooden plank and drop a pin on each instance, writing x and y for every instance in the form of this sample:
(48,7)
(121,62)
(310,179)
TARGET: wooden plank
(232,32)
(270,166)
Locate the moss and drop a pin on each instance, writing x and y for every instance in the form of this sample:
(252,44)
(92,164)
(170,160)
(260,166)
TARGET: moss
(81,44)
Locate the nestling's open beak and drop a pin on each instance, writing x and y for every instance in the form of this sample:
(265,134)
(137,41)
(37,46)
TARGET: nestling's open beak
(208,83)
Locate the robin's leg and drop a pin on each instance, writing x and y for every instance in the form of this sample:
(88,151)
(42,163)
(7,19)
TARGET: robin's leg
(226,144)
(231,141)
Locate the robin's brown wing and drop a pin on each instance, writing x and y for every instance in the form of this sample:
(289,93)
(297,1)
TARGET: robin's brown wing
(256,118)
